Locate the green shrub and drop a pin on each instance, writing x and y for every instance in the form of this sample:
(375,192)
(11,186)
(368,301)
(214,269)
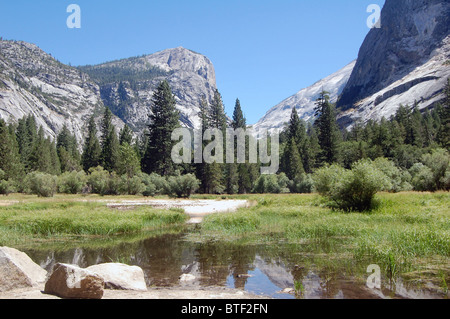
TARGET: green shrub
(102,182)
(422,178)
(351,189)
(72,182)
(131,185)
(182,185)
(5,186)
(154,184)
(439,163)
(41,184)
(97,180)
(271,184)
(302,185)
(399,180)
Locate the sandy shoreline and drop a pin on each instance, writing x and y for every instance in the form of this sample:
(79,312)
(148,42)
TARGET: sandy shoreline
(209,293)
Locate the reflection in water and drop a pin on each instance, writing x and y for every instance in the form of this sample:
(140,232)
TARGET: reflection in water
(260,269)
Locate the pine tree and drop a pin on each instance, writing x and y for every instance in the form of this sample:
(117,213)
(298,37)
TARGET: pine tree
(92,151)
(126,135)
(210,175)
(9,154)
(26,134)
(236,175)
(328,131)
(417,127)
(292,161)
(43,156)
(217,118)
(109,142)
(67,148)
(239,120)
(163,121)
(443,135)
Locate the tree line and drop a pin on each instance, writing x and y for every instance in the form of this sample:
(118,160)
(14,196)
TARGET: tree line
(411,148)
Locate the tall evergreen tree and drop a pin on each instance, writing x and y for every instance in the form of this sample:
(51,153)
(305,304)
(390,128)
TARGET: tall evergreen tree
(164,119)
(239,120)
(217,118)
(67,148)
(109,142)
(328,131)
(126,135)
(26,134)
(9,154)
(293,166)
(44,157)
(92,151)
(209,174)
(443,135)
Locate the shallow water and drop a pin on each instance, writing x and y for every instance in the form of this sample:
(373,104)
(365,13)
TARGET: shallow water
(270,269)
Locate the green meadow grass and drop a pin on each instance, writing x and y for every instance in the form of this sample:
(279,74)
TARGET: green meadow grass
(402,233)
(25,222)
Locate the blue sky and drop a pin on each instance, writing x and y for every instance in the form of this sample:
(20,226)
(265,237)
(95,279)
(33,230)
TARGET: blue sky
(263,50)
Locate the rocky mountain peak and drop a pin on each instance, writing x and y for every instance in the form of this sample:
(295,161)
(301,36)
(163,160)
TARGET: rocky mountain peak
(410,31)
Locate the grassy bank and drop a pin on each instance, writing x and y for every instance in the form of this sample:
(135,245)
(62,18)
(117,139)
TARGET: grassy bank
(403,233)
(39,220)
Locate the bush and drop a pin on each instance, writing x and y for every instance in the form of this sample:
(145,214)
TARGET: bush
(302,185)
(433,173)
(351,189)
(72,182)
(399,180)
(154,184)
(422,178)
(41,184)
(102,182)
(271,184)
(97,180)
(131,185)
(5,186)
(439,163)
(181,185)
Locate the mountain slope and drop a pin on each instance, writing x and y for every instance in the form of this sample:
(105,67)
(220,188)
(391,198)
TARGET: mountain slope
(304,101)
(403,61)
(127,85)
(33,82)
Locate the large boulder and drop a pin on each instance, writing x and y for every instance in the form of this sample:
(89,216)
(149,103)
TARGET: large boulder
(120,276)
(73,282)
(17,270)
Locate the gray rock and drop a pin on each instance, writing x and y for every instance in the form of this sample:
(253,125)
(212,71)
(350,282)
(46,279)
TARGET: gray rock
(72,282)
(120,276)
(410,33)
(33,82)
(17,270)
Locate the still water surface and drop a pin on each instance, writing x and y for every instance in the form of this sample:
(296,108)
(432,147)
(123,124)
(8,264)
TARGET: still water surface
(273,270)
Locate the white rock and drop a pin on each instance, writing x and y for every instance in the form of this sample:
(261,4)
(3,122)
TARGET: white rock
(120,276)
(73,282)
(17,270)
